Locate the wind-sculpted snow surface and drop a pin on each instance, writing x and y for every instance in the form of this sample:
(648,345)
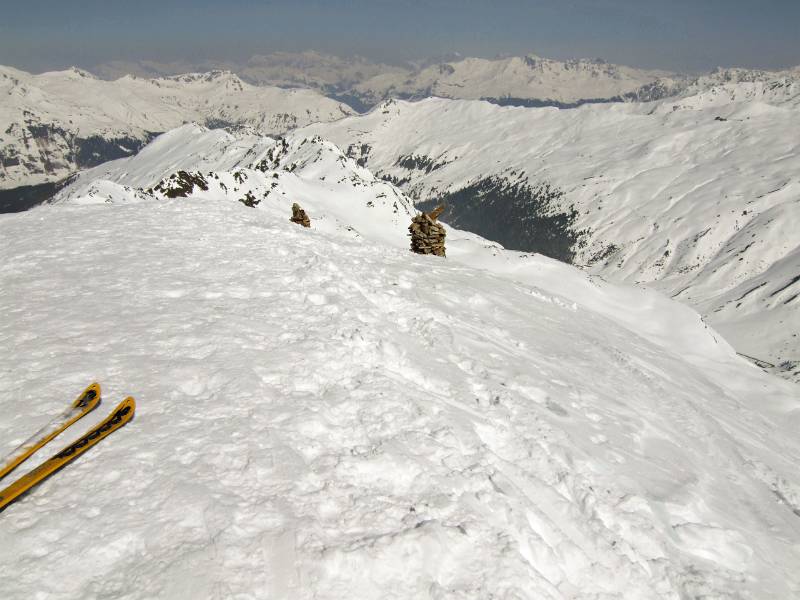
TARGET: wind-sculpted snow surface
(56,123)
(698,197)
(322,414)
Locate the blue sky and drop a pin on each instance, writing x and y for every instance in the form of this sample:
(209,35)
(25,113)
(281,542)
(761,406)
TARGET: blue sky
(689,35)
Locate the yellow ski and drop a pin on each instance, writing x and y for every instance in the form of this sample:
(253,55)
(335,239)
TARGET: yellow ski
(83,405)
(121,415)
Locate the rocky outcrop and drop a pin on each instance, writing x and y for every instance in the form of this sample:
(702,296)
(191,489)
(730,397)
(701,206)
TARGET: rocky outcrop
(180,184)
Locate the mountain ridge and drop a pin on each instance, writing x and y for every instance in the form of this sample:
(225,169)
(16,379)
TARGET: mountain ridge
(42,144)
(527,80)
(55,123)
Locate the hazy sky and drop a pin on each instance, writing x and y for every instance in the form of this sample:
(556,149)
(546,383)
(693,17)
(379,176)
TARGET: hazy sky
(673,34)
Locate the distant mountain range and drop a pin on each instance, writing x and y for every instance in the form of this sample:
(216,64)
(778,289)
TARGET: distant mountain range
(55,123)
(517,80)
(508,80)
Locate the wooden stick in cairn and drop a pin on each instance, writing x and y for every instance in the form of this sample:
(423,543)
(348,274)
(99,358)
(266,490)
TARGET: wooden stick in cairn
(427,235)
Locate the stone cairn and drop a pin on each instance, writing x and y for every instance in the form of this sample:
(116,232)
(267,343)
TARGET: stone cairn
(299,216)
(427,235)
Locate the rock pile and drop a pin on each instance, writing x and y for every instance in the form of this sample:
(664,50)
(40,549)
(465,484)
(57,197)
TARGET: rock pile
(299,216)
(427,235)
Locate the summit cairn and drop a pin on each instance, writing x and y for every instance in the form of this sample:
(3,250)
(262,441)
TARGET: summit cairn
(427,235)
(299,216)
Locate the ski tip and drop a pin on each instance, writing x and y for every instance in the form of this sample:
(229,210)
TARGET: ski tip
(126,408)
(90,396)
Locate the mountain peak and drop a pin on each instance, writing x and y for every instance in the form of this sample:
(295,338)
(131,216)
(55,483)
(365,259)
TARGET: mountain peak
(213,76)
(78,72)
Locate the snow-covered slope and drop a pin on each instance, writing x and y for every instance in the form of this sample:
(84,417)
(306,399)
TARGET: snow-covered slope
(686,87)
(214,164)
(322,414)
(698,197)
(55,123)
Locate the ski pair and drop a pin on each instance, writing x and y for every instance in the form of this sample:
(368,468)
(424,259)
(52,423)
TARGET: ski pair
(83,405)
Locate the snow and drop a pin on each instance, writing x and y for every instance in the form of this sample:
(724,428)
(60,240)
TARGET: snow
(518,77)
(74,104)
(322,414)
(514,79)
(341,195)
(308,69)
(698,197)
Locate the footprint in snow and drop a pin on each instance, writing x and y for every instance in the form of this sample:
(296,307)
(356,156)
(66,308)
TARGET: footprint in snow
(556,408)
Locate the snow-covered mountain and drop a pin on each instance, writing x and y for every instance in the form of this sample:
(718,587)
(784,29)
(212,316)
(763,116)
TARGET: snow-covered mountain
(193,161)
(685,86)
(55,123)
(519,80)
(323,72)
(514,80)
(697,196)
(316,70)
(322,414)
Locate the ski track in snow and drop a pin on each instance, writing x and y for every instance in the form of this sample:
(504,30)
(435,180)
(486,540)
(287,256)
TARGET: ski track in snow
(326,417)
